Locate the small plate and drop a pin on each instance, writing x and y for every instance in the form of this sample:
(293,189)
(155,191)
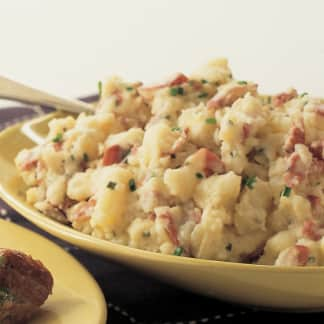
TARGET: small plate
(76,296)
(285,288)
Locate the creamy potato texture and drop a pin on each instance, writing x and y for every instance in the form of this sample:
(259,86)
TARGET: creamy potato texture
(201,166)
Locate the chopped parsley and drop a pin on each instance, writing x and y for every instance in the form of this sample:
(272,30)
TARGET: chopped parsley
(173,156)
(99,88)
(178,251)
(311,259)
(249,182)
(210,121)
(2,260)
(129,88)
(199,175)
(286,192)
(269,100)
(5,295)
(132,185)
(304,94)
(203,95)
(203,81)
(85,157)
(242,82)
(111,185)
(229,246)
(230,122)
(176,91)
(72,157)
(58,138)
(175,129)
(146,234)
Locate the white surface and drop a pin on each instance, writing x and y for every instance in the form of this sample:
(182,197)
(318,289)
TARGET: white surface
(67,46)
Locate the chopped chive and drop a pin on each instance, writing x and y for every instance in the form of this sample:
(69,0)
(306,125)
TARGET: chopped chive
(229,246)
(242,82)
(111,185)
(132,185)
(173,156)
(199,175)
(99,88)
(249,182)
(230,122)
(178,251)
(129,88)
(269,100)
(176,91)
(304,94)
(210,121)
(146,234)
(286,192)
(58,138)
(85,157)
(203,95)
(203,81)
(72,157)
(230,75)
(175,129)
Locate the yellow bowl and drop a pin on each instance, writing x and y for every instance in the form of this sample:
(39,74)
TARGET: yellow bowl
(286,288)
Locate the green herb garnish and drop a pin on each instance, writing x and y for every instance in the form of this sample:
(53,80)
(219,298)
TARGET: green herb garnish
(178,251)
(210,121)
(111,185)
(303,94)
(242,82)
(146,234)
(5,296)
(249,181)
(132,185)
(85,157)
(199,175)
(311,259)
(203,81)
(229,246)
(2,260)
(175,129)
(286,192)
(58,138)
(99,88)
(129,88)
(203,95)
(176,91)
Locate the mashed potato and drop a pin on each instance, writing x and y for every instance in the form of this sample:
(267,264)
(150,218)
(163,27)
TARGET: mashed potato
(201,166)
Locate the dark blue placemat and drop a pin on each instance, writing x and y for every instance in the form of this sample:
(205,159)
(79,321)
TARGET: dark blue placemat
(136,298)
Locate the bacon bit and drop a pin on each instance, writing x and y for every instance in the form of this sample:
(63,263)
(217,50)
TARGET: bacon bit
(281,98)
(197,216)
(148,92)
(119,97)
(311,230)
(302,254)
(29,165)
(196,85)
(228,96)
(246,129)
(170,228)
(296,135)
(152,216)
(112,155)
(177,79)
(296,171)
(319,110)
(178,144)
(58,146)
(213,164)
(316,149)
